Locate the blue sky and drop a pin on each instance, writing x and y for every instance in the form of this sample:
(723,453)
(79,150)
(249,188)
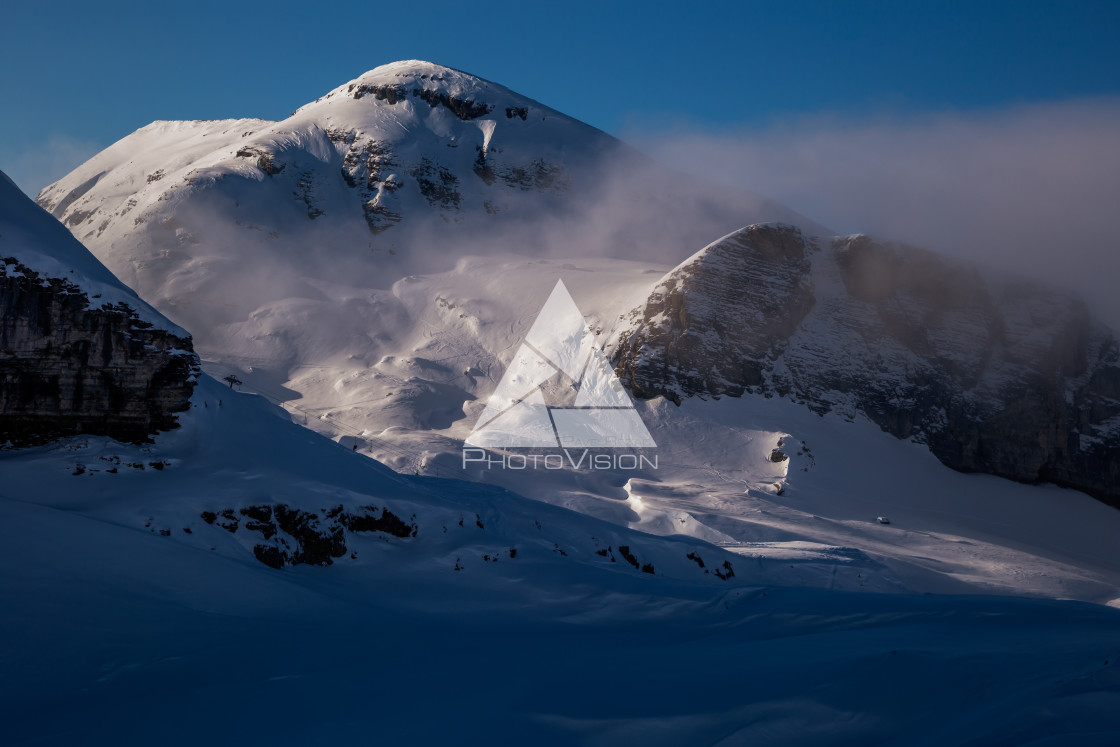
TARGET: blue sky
(78,76)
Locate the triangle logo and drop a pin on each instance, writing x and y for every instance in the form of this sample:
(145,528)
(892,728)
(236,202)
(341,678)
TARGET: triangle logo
(560,346)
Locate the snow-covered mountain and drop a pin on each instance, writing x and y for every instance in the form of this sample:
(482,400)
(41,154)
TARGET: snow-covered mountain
(314,311)
(244,580)
(81,353)
(994,375)
(403,169)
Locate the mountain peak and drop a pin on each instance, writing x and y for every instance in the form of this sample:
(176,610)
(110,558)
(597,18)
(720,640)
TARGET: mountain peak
(466,95)
(417,71)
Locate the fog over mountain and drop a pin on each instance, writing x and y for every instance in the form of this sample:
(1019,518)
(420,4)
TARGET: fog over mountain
(1027,189)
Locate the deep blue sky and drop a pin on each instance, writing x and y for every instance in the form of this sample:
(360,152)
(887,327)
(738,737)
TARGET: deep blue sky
(76,76)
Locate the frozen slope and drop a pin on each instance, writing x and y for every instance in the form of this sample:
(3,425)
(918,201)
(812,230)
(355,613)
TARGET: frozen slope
(949,532)
(32,238)
(411,399)
(115,633)
(206,485)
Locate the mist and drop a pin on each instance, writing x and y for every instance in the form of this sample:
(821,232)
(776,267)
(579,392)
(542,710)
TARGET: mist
(1031,189)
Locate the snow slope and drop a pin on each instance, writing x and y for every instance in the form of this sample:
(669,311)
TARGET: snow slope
(117,633)
(37,241)
(235,451)
(410,400)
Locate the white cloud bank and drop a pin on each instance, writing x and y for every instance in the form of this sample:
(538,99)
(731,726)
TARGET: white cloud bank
(1034,188)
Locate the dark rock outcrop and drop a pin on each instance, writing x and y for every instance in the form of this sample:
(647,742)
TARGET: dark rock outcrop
(463,108)
(69,367)
(293,536)
(715,324)
(266,161)
(1002,377)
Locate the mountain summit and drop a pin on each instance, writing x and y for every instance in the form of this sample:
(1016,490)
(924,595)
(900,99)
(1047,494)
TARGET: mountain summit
(404,169)
(407,139)
(466,96)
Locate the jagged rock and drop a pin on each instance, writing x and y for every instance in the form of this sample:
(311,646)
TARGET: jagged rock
(293,536)
(269,555)
(79,352)
(387,522)
(725,571)
(266,161)
(709,333)
(461,107)
(438,184)
(68,367)
(996,376)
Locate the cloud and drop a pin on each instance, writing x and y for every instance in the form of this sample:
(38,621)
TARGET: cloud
(1033,189)
(36,165)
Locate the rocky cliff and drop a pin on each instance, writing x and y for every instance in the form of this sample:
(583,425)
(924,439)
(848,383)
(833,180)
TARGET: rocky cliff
(67,368)
(995,376)
(79,353)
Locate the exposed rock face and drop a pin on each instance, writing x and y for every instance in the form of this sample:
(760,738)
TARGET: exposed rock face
(761,275)
(463,108)
(292,536)
(999,377)
(68,367)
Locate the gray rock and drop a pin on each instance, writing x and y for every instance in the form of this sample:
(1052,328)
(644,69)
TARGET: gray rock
(994,375)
